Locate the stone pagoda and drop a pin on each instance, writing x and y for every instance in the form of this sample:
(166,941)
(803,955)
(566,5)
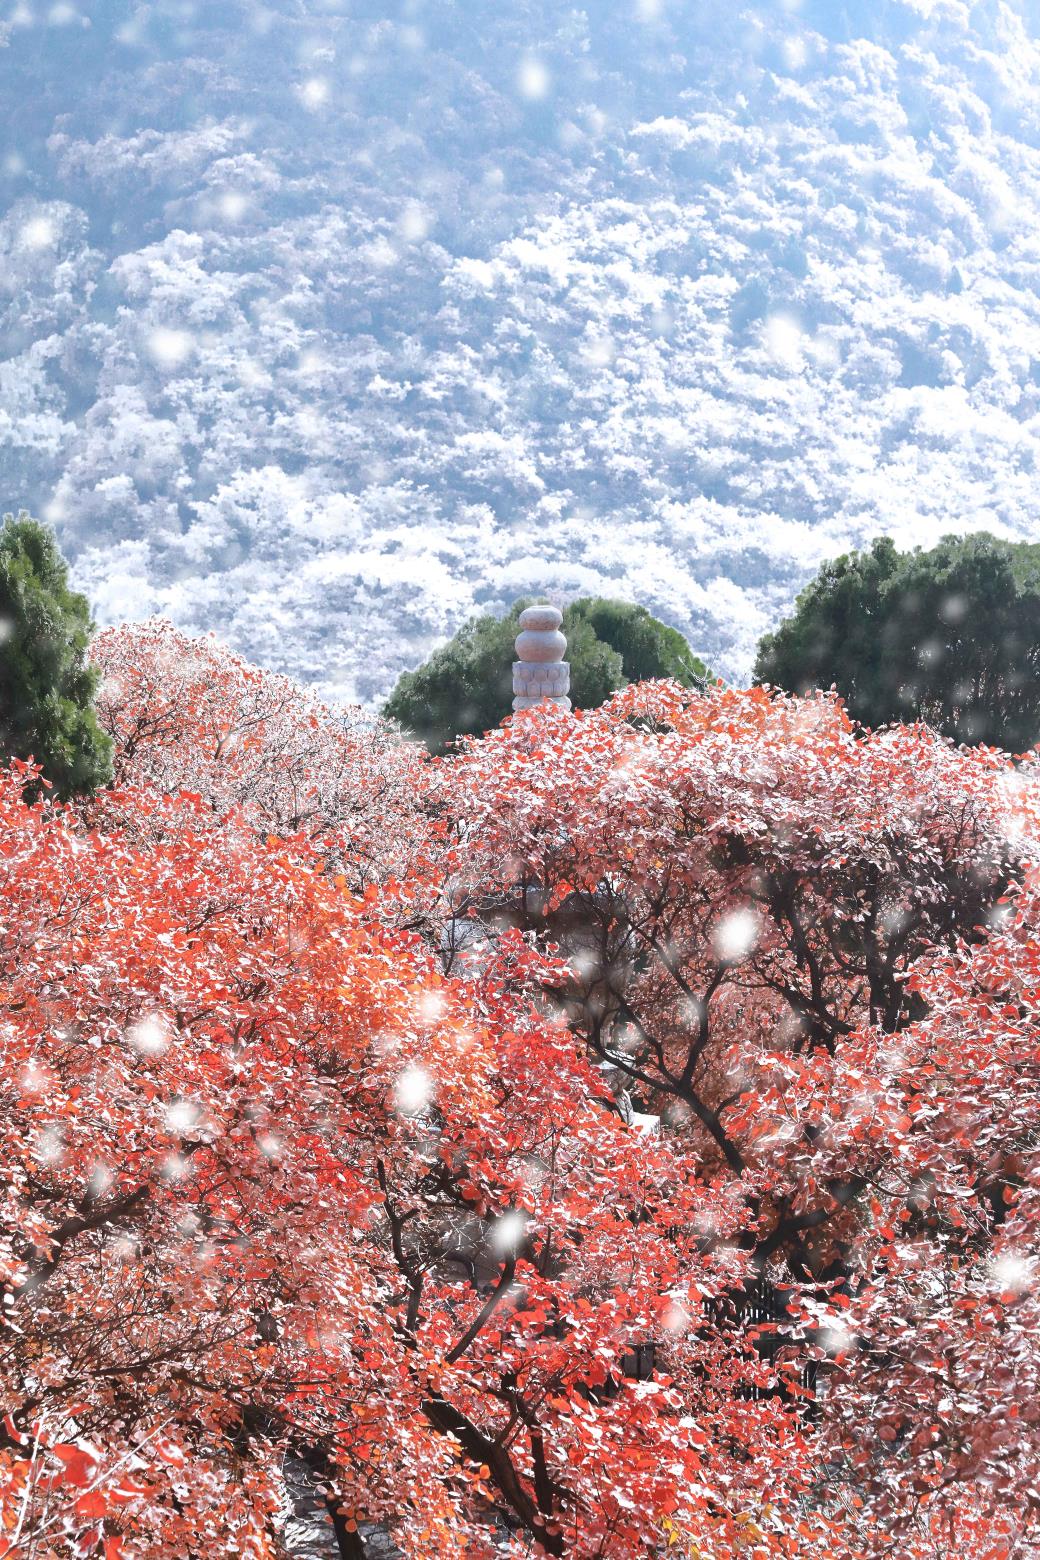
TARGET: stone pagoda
(541,672)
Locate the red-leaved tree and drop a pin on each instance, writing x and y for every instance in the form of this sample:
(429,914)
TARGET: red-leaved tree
(190,715)
(766,914)
(274,1188)
(931,1413)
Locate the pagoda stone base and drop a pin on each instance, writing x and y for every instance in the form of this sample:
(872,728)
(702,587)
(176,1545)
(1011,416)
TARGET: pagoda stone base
(535,681)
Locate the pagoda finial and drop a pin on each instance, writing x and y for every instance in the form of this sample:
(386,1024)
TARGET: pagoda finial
(541,672)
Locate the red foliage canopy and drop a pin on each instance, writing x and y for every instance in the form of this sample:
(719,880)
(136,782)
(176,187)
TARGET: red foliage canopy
(775,926)
(281,1192)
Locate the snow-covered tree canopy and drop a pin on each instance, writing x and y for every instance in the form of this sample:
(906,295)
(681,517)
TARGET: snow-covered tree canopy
(328,326)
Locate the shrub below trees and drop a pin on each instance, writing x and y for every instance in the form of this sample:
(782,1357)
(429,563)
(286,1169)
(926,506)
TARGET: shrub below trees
(466,687)
(950,636)
(47,686)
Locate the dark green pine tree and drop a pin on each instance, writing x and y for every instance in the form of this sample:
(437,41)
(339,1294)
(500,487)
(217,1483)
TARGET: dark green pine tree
(467,685)
(950,636)
(47,686)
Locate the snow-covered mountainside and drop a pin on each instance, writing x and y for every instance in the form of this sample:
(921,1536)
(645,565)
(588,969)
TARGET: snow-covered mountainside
(327,322)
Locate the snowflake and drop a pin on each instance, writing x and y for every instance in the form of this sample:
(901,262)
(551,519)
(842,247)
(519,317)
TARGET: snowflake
(508,1232)
(734,937)
(414,1091)
(533,79)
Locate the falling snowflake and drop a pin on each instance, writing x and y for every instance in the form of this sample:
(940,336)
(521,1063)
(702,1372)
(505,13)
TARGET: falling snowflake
(431,1007)
(33,1079)
(50,1147)
(795,53)
(414,223)
(181,1116)
(149,1035)
(835,1339)
(734,937)
(598,350)
(784,341)
(314,93)
(1013,1273)
(676,1319)
(169,348)
(38,233)
(413,1092)
(100,1181)
(533,79)
(233,205)
(508,1232)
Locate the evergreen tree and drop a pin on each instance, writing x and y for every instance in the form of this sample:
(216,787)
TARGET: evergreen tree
(950,636)
(46,683)
(467,685)
(648,648)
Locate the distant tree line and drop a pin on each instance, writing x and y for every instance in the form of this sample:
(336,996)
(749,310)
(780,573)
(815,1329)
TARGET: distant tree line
(466,686)
(948,636)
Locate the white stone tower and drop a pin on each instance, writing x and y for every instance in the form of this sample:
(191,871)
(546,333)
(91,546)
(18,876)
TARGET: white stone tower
(541,672)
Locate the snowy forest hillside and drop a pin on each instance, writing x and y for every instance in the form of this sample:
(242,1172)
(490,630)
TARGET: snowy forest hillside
(326,324)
